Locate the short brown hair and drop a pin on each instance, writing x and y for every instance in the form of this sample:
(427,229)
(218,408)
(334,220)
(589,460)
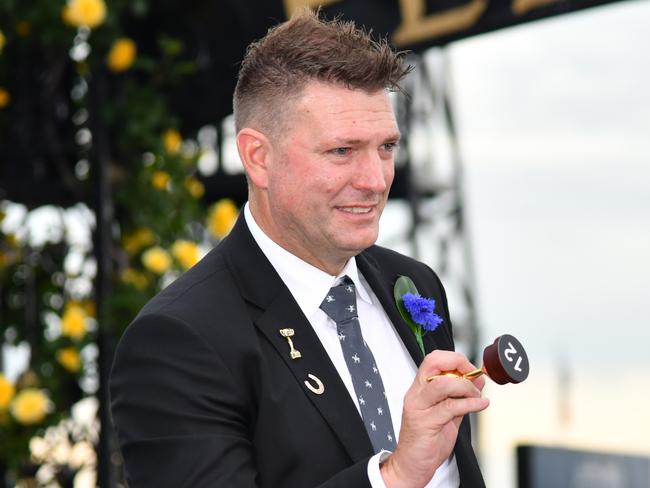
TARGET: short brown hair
(305,48)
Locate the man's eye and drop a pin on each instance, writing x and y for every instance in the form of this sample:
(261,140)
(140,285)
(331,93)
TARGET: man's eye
(341,151)
(390,146)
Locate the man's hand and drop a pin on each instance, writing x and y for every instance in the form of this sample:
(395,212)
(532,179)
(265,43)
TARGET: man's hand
(431,419)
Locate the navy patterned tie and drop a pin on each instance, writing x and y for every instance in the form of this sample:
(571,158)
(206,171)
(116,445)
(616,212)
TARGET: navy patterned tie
(341,306)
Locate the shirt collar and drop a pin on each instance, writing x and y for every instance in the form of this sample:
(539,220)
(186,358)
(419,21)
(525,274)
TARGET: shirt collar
(308,284)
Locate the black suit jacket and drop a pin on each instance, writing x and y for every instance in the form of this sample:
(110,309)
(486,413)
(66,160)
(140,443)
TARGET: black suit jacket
(204,393)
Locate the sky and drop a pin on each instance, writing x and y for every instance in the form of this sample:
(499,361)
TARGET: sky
(554,129)
(554,125)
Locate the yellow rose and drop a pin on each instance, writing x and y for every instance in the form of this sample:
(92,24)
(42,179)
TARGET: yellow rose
(221,217)
(159,179)
(90,307)
(157,260)
(66,15)
(186,252)
(69,358)
(172,141)
(5,98)
(194,187)
(121,55)
(12,240)
(7,391)
(138,239)
(135,278)
(90,13)
(2,41)
(73,322)
(23,28)
(30,406)
(28,379)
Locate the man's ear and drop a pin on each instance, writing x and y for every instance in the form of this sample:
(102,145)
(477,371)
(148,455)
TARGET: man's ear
(255,153)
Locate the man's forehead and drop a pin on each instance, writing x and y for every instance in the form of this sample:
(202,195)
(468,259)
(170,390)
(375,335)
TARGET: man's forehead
(314,90)
(320,101)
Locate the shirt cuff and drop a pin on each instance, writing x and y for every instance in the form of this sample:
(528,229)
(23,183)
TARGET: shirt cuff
(374,475)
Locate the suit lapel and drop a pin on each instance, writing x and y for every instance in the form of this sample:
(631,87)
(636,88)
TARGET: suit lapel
(261,286)
(382,286)
(335,404)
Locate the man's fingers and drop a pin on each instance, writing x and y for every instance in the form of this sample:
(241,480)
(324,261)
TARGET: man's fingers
(429,394)
(479,383)
(452,408)
(440,361)
(446,386)
(444,398)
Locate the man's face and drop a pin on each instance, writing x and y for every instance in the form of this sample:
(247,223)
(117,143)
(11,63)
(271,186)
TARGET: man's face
(330,175)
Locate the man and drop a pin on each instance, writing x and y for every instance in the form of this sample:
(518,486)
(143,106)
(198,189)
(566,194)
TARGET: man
(240,373)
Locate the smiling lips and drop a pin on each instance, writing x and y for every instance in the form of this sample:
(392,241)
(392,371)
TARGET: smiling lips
(355,210)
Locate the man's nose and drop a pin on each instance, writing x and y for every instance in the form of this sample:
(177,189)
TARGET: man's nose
(371,173)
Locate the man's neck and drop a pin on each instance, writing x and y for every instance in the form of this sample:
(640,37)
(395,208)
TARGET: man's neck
(332,266)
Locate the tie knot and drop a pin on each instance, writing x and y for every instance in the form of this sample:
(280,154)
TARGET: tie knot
(340,304)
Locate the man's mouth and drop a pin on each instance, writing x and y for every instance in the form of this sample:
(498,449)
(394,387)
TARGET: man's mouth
(355,210)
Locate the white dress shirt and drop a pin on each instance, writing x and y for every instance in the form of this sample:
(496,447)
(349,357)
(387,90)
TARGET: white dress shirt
(309,286)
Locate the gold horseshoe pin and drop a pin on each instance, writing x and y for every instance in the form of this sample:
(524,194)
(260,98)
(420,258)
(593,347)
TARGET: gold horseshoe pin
(319,388)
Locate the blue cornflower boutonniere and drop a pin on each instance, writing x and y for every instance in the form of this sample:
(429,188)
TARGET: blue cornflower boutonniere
(418,312)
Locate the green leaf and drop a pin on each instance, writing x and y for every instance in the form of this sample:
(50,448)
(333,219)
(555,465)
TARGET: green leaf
(405,285)
(185,68)
(140,8)
(171,46)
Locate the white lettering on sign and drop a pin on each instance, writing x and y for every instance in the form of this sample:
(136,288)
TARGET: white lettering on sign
(510,350)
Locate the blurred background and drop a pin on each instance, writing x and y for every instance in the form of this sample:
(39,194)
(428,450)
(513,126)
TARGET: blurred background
(523,180)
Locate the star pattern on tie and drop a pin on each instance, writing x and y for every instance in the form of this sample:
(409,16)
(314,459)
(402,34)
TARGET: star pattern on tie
(340,305)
